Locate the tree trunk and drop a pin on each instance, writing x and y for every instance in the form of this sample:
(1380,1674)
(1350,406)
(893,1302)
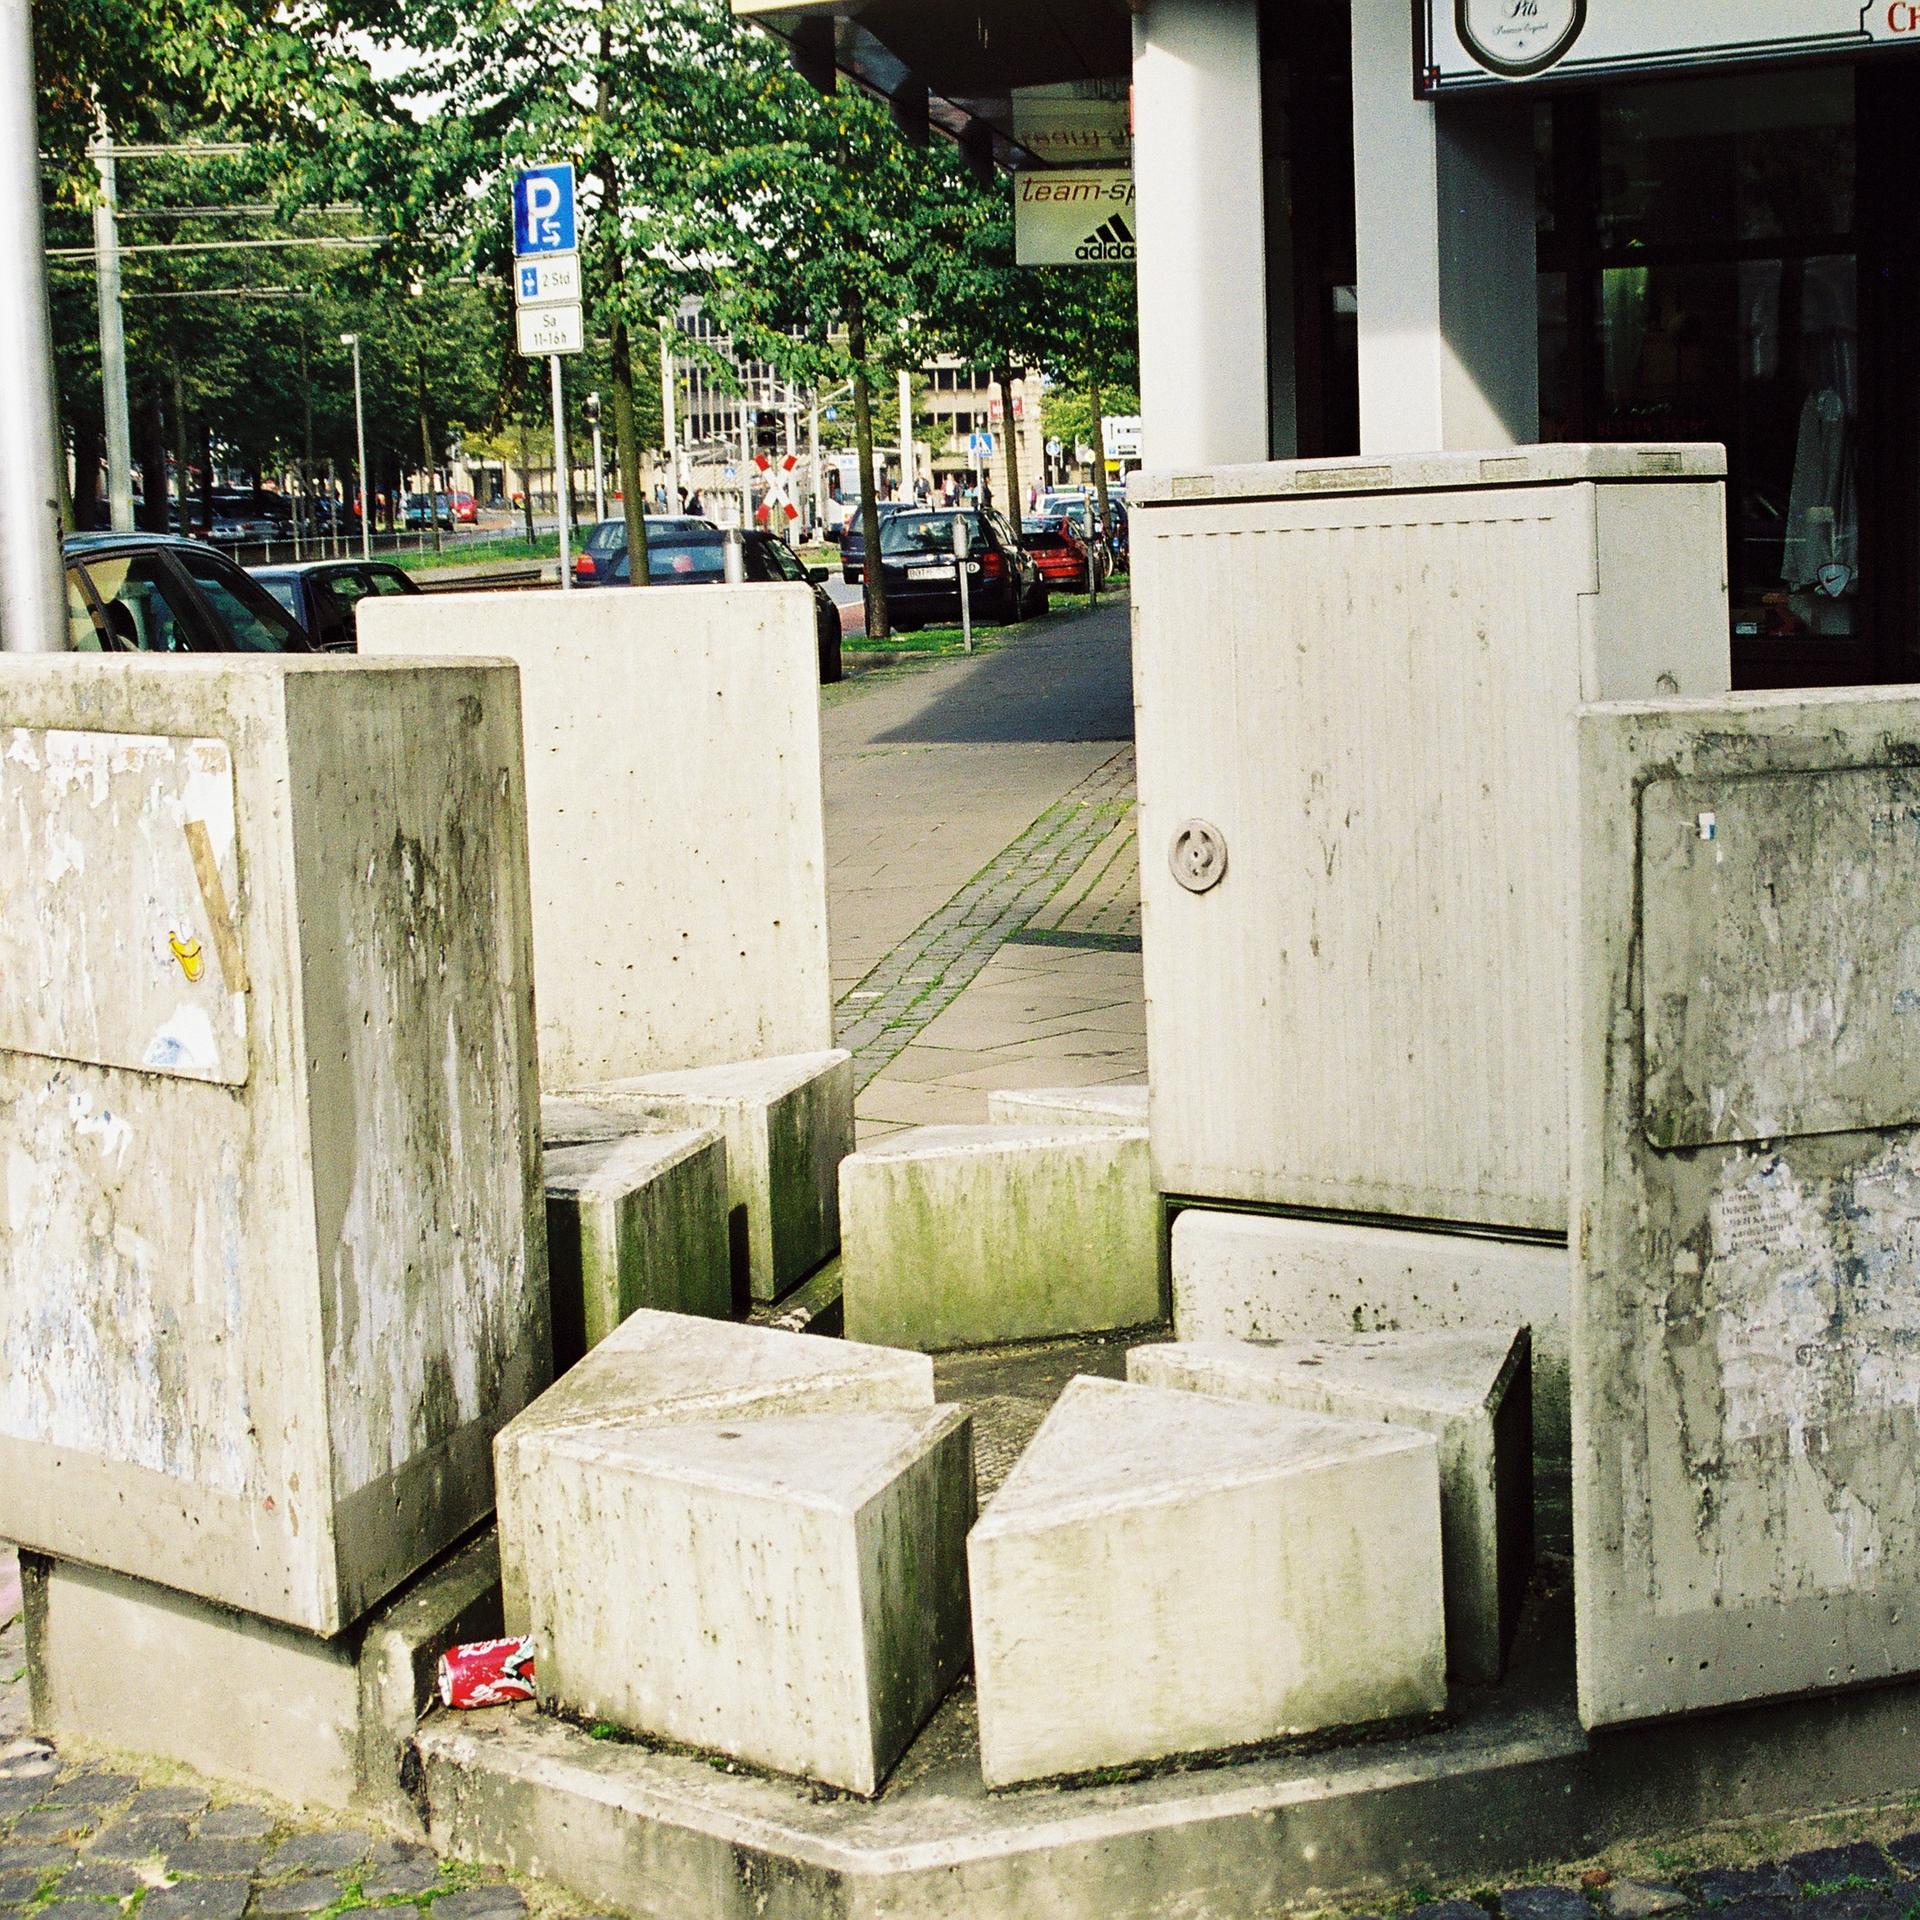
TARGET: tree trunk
(426,460)
(206,477)
(626,454)
(874,588)
(1013,505)
(526,480)
(180,438)
(1099,459)
(153,462)
(306,447)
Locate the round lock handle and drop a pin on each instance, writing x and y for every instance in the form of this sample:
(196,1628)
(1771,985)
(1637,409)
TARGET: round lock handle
(1198,856)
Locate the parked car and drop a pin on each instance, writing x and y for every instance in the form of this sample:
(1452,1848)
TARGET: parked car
(605,538)
(466,509)
(853,543)
(1061,554)
(424,510)
(324,595)
(697,557)
(916,558)
(158,593)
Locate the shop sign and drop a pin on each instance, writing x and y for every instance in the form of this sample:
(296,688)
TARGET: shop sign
(1120,432)
(1080,123)
(1074,217)
(1491,43)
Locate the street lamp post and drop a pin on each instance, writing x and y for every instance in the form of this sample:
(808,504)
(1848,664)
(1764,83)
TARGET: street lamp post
(360,435)
(599,470)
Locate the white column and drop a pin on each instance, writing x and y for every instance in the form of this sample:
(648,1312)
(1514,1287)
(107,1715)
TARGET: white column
(906,436)
(669,430)
(1444,214)
(1199,198)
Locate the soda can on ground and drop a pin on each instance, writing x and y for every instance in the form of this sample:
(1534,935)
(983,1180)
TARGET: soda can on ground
(487,1673)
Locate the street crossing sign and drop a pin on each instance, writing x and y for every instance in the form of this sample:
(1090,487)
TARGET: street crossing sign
(543,212)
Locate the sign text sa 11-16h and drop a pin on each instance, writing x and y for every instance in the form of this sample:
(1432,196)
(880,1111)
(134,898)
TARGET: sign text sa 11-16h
(547,285)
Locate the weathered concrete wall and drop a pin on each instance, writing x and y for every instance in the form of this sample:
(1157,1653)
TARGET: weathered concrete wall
(274,1272)
(1364,677)
(675,814)
(1746,1383)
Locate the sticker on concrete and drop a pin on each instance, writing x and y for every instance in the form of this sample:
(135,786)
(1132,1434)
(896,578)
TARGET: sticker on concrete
(117,902)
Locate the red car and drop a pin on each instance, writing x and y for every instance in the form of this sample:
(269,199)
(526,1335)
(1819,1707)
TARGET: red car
(466,511)
(1059,552)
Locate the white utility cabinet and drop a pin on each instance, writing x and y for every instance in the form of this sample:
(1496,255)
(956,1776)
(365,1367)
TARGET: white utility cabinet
(1356,684)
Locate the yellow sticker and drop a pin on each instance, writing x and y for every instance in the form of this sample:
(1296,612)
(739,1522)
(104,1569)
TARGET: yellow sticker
(192,962)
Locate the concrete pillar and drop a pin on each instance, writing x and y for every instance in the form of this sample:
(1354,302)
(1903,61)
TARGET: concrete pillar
(1200,202)
(1444,210)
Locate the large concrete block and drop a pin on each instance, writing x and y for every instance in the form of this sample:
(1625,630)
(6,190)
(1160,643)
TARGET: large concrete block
(1164,1573)
(1243,1276)
(789,1592)
(1068,1106)
(636,1221)
(788,1124)
(675,816)
(1746,1389)
(273,1267)
(669,1369)
(964,1236)
(1367,1011)
(1469,1390)
(124,1664)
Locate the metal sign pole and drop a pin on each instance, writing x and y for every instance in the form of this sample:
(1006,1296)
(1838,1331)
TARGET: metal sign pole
(33,598)
(962,553)
(562,489)
(113,346)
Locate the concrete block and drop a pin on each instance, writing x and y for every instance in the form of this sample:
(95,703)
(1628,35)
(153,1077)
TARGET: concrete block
(1746,1388)
(636,1221)
(1164,1573)
(1068,1106)
(1243,1276)
(273,1263)
(1368,1013)
(124,1664)
(675,816)
(1470,1390)
(659,1369)
(788,1592)
(964,1236)
(788,1124)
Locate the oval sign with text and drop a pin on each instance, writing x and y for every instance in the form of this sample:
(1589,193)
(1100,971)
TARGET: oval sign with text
(1519,37)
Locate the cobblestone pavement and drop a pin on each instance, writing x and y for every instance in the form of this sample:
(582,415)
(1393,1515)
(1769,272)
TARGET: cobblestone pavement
(87,1840)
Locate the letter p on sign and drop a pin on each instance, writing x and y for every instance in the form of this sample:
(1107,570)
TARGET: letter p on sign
(543,210)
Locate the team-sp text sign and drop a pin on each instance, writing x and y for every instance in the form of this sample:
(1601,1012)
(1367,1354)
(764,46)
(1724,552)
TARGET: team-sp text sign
(1079,217)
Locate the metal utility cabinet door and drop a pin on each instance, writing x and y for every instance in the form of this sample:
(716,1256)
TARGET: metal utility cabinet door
(1356,687)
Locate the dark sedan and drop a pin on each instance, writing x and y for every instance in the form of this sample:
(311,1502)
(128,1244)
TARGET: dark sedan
(157,593)
(606,538)
(699,559)
(916,557)
(853,543)
(323,595)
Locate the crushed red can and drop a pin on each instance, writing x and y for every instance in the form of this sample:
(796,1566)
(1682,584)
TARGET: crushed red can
(487,1673)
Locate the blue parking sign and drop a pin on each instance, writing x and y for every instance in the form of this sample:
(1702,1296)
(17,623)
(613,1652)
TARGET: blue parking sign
(543,210)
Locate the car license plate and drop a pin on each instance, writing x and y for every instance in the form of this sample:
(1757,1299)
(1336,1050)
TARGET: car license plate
(929,573)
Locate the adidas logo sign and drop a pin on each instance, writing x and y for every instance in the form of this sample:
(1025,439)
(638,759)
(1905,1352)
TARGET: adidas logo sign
(1110,240)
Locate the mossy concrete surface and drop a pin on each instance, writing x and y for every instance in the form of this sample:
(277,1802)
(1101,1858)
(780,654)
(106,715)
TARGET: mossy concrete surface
(969,1236)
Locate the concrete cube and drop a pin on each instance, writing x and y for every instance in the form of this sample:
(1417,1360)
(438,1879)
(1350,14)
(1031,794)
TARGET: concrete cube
(675,812)
(1470,1390)
(964,1236)
(636,1221)
(664,1369)
(788,1592)
(788,1124)
(273,1270)
(1243,1276)
(1164,1573)
(1068,1106)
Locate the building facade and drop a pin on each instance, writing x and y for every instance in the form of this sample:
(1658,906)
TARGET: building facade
(1371,227)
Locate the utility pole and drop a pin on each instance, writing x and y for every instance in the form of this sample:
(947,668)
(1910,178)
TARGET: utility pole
(746,462)
(599,471)
(813,456)
(113,338)
(562,479)
(33,597)
(668,399)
